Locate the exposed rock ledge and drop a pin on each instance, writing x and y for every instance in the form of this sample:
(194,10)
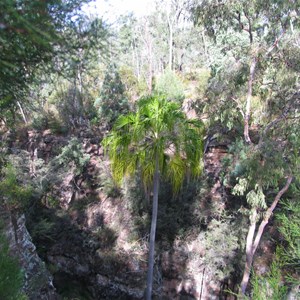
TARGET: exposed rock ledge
(38,281)
(117,290)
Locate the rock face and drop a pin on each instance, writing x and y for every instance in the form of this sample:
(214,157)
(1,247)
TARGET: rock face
(44,144)
(38,281)
(91,247)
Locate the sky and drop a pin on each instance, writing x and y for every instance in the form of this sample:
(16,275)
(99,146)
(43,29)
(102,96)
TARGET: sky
(111,9)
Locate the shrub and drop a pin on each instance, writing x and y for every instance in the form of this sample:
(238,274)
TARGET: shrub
(43,229)
(203,79)
(48,120)
(289,228)
(11,276)
(70,106)
(130,81)
(14,195)
(221,245)
(107,183)
(40,122)
(73,154)
(269,286)
(170,85)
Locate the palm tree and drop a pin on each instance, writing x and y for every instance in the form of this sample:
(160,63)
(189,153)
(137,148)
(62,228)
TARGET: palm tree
(160,141)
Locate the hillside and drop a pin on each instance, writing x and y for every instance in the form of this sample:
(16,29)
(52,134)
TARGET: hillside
(153,158)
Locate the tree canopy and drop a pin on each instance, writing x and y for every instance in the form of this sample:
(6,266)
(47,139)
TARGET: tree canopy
(31,33)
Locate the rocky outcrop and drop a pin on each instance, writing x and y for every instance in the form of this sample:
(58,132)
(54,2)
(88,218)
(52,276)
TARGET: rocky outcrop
(111,289)
(38,281)
(44,144)
(90,243)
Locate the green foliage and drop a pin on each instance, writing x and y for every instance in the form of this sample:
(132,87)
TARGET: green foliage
(138,206)
(289,227)
(43,229)
(170,85)
(112,100)
(241,187)
(3,154)
(107,183)
(84,42)
(220,246)
(242,30)
(13,193)
(224,96)
(30,33)
(62,97)
(25,168)
(202,81)
(40,122)
(48,120)
(69,103)
(73,155)
(11,276)
(256,197)
(270,285)
(233,15)
(130,81)
(253,170)
(158,127)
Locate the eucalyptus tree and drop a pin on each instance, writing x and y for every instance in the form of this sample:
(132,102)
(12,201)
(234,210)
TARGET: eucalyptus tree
(256,40)
(31,32)
(269,168)
(259,26)
(163,39)
(174,12)
(86,43)
(160,141)
(129,43)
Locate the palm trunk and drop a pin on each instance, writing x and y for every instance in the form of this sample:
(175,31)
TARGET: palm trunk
(153,230)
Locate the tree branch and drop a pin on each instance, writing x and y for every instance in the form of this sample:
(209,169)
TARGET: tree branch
(249,30)
(239,106)
(269,213)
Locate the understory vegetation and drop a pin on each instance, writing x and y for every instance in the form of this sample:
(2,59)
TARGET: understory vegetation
(157,156)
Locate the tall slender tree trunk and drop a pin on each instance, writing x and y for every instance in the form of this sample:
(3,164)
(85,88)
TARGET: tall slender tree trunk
(137,64)
(249,254)
(150,79)
(204,45)
(252,243)
(153,230)
(170,44)
(248,101)
(150,68)
(22,112)
(170,25)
